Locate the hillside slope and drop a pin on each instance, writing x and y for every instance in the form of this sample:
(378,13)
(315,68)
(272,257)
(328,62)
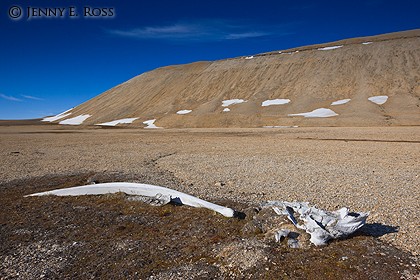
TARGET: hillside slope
(311,77)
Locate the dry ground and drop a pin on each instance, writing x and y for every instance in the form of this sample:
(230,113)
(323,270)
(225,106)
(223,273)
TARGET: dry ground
(365,169)
(310,78)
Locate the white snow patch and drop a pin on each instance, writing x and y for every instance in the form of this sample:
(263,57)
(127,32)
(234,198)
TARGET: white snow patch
(317,113)
(330,48)
(380,99)
(183,112)
(57,117)
(226,110)
(65,111)
(275,102)
(367,43)
(76,120)
(151,124)
(116,122)
(280,126)
(142,190)
(340,102)
(249,57)
(226,103)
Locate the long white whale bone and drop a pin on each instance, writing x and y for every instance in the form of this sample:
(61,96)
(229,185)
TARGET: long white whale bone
(139,189)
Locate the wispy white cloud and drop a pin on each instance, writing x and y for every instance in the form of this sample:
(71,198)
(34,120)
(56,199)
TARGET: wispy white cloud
(176,31)
(204,30)
(236,36)
(10,98)
(32,97)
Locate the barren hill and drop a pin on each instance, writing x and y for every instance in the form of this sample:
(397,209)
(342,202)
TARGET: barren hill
(300,80)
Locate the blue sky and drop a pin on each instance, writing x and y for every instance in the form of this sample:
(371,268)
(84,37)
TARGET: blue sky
(48,65)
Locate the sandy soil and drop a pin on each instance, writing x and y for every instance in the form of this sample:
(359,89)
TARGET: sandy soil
(365,169)
(310,78)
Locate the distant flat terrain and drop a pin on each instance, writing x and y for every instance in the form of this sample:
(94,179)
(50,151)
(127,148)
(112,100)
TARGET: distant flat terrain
(367,169)
(371,169)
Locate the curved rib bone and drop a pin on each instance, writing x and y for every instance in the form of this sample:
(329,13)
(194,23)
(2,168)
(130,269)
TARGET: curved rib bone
(139,189)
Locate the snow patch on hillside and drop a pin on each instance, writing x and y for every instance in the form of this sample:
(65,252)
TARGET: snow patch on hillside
(275,102)
(330,48)
(340,102)
(380,99)
(226,103)
(116,122)
(184,112)
(226,110)
(280,126)
(151,124)
(317,113)
(57,117)
(76,120)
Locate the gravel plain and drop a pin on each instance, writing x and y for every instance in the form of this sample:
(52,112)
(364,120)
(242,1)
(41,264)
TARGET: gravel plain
(373,169)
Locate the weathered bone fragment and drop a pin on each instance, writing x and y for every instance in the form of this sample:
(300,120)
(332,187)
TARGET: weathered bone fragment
(320,224)
(281,234)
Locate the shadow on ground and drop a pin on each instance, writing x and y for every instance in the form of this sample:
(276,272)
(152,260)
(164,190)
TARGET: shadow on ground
(377,229)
